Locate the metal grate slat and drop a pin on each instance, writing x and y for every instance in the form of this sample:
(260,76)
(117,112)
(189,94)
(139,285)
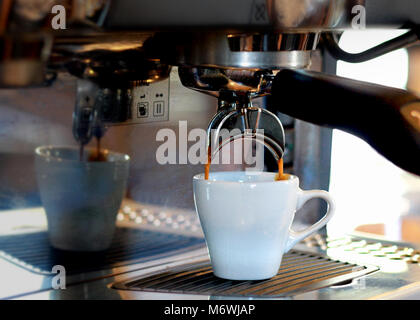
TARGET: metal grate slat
(296,278)
(299,272)
(281,278)
(298,284)
(164,277)
(32,251)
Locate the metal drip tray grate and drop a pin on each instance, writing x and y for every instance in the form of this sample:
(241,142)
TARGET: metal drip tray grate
(32,251)
(300,272)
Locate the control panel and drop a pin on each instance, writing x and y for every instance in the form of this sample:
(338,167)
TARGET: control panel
(150,103)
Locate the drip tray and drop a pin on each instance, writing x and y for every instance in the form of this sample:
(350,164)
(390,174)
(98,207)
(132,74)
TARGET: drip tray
(32,251)
(299,272)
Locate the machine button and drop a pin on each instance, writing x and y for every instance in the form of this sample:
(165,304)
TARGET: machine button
(158,108)
(142,110)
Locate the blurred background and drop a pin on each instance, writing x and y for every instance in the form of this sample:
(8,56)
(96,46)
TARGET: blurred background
(372,194)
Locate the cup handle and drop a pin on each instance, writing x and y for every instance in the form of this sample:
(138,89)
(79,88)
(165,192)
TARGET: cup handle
(303,197)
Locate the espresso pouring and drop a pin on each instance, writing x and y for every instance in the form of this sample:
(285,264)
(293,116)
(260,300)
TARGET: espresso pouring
(96,155)
(279,176)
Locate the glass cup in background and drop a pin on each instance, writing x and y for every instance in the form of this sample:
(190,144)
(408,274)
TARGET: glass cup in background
(81,198)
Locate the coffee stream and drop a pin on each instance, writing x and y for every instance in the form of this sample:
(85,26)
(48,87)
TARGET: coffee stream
(81,151)
(97,155)
(207,166)
(279,176)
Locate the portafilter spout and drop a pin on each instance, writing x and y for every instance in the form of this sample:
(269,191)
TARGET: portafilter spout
(237,118)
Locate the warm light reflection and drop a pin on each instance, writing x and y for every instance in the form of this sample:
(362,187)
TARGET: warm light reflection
(112,46)
(416,114)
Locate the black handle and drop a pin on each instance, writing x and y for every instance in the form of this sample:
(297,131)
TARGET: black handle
(387,118)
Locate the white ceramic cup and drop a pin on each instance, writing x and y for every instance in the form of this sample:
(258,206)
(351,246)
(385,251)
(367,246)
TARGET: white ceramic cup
(81,198)
(247,218)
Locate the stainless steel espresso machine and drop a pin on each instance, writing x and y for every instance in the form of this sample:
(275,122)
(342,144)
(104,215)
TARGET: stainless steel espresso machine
(74,71)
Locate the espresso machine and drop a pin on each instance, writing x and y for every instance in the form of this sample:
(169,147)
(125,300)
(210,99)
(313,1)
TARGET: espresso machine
(74,71)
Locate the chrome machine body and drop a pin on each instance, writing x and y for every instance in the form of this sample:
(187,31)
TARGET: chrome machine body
(122,70)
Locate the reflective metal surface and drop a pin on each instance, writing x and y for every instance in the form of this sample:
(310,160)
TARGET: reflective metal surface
(19,277)
(392,281)
(26,36)
(246,122)
(216,49)
(398,263)
(299,272)
(228,84)
(308,14)
(391,13)
(238,14)
(102,39)
(273,42)
(109,59)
